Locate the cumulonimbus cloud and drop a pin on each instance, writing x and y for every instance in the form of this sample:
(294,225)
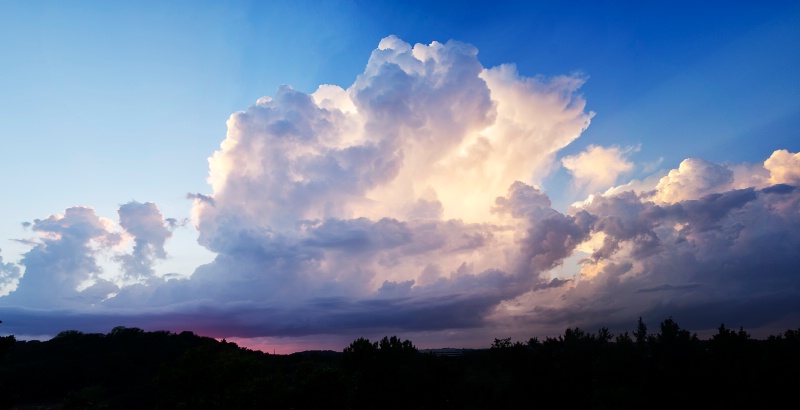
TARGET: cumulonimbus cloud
(408,201)
(351,192)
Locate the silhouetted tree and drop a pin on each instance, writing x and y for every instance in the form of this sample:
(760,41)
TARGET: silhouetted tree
(604,335)
(68,333)
(130,368)
(360,354)
(501,343)
(6,399)
(5,343)
(395,345)
(671,333)
(623,339)
(640,334)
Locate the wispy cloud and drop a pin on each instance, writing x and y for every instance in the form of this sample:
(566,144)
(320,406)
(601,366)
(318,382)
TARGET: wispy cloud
(598,168)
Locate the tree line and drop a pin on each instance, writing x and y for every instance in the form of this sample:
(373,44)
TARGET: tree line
(131,368)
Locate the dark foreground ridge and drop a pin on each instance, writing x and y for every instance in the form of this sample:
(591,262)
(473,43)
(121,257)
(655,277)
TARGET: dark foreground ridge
(129,368)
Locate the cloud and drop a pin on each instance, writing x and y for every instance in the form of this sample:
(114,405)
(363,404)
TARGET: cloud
(694,178)
(407,202)
(702,246)
(780,168)
(783,167)
(413,119)
(9,277)
(646,185)
(174,223)
(522,200)
(598,167)
(387,187)
(65,268)
(63,261)
(730,253)
(145,224)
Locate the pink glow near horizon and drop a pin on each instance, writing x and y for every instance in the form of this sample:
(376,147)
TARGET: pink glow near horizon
(276,345)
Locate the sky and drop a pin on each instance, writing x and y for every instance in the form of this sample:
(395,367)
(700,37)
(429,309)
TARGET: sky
(294,175)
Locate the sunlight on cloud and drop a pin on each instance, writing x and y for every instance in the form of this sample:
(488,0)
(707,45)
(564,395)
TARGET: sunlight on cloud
(598,167)
(783,167)
(422,123)
(426,137)
(694,178)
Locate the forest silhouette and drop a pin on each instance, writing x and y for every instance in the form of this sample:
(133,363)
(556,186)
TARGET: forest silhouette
(129,368)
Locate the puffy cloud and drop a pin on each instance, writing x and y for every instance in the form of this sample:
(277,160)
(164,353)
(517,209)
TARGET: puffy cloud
(416,117)
(148,228)
(694,178)
(387,189)
(9,276)
(707,243)
(61,268)
(727,257)
(522,200)
(598,167)
(64,267)
(621,218)
(749,175)
(783,167)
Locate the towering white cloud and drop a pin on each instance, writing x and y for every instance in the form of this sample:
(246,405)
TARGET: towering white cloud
(393,180)
(423,123)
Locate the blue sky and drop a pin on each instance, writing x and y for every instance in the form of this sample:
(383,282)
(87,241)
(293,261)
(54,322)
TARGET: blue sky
(107,103)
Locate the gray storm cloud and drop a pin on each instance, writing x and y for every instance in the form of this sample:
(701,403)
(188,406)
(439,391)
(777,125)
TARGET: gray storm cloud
(724,254)
(408,201)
